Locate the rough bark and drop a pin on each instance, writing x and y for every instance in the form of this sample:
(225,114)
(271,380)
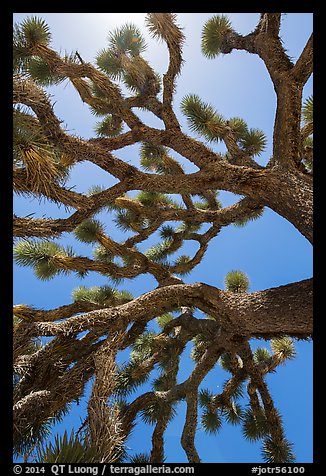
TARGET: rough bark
(55,374)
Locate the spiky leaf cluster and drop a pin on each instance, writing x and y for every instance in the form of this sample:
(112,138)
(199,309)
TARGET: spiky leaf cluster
(181,265)
(277,451)
(163,26)
(102,254)
(122,60)
(228,362)
(155,158)
(252,216)
(130,377)
(34,154)
(149,199)
(89,230)
(30,32)
(164,319)
(236,282)
(214,413)
(167,232)
(143,346)
(110,126)
(233,413)
(102,295)
(307,110)
(199,348)
(213,34)
(188,226)
(133,374)
(253,141)
(162,383)
(261,356)
(37,433)
(38,254)
(202,118)
(139,458)
(158,253)
(154,411)
(255,424)
(127,39)
(68,449)
(128,220)
(284,346)
(211,422)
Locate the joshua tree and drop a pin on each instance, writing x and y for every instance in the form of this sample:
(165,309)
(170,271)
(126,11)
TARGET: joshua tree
(57,351)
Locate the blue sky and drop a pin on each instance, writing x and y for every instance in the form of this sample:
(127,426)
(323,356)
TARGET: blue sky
(270,250)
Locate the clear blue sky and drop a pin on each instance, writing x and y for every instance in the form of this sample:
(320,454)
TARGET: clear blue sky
(269,250)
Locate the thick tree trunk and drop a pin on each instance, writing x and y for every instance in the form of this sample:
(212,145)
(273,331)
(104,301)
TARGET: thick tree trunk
(272,312)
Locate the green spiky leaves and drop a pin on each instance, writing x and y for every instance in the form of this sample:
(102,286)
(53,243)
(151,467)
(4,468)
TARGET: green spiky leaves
(307,110)
(237,282)
(142,348)
(164,319)
(151,414)
(109,62)
(28,34)
(140,458)
(127,220)
(88,231)
(211,422)
(205,121)
(253,141)
(199,348)
(149,199)
(110,126)
(40,71)
(202,118)
(228,362)
(213,35)
(284,347)
(125,42)
(35,31)
(134,373)
(158,253)
(251,216)
(102,254)
(102,295)
(123,61)
(127,39)
(261,356)
(255,425)
(154,158)
(233,413)
(215,412)
(182,265)
(239,127)
(36,433)
(39,255)
(68,449)
(277,451)
(34,155)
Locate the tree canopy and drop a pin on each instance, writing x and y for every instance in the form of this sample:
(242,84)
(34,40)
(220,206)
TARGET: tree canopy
(158,207)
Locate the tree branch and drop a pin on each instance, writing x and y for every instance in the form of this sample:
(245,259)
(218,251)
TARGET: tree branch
(254,314)
(304,65)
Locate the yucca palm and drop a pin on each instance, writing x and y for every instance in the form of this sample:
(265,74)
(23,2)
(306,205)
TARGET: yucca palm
(132,349)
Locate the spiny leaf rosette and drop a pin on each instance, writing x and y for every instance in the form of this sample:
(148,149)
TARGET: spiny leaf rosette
(143,224)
